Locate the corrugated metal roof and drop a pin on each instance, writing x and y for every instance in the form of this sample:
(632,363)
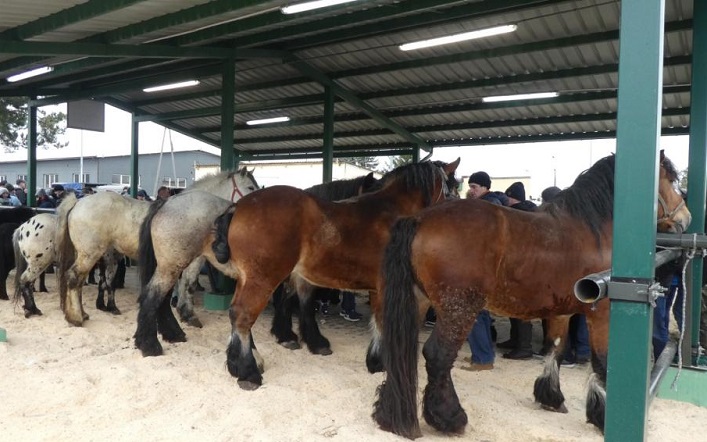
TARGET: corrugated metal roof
(566,46)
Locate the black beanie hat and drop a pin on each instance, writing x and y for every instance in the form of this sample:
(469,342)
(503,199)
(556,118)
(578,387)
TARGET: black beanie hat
(480,178)
(516,191)
(550,193)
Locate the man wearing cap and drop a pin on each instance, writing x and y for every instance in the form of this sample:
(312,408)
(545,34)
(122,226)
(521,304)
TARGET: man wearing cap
(57,194)
(521,331)
(21,191)
(480,339)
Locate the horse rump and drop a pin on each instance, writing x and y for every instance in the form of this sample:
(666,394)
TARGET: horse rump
(395,410)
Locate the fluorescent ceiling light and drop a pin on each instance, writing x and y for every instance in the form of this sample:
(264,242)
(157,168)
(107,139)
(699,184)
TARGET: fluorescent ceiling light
(519,97)
(458,37)
(308,6)
(267,121)
(33,73)
(165,87)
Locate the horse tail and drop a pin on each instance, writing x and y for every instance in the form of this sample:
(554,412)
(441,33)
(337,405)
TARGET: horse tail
(396,407)
(20,264)
(220,247)
(146,251)
(66,252)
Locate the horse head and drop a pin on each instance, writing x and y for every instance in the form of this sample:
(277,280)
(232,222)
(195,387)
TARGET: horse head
(673,214)
(451,191)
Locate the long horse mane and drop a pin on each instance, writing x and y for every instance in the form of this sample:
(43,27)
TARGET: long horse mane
(415,176)
(590,198)
(211,181)
(337,190)
(670,169)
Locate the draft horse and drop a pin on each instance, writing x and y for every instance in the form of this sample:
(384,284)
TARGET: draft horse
(328,244)
(90,227)
(466,255)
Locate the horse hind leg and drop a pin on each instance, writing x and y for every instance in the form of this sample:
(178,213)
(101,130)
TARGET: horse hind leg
(598,323)
(309,329)
(281,328)
(73,307)
(111,272)
(186,287)
(26,279)
(153,298)
(546,389)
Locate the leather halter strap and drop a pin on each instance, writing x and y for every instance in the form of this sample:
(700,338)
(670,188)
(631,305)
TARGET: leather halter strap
(669,215)
(236,191)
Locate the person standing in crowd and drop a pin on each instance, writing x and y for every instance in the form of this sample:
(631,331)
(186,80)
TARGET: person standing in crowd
(43,200)
(520,341)
(480,338)
(4,196)
(143,196)
(57,194)
(21,191)
(163,193)
(14,201)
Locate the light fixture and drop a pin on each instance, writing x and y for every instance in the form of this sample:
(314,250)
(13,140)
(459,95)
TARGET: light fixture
(28,74)
(165,87)
(519,97)
(308,6)
(267,121)
(456,38)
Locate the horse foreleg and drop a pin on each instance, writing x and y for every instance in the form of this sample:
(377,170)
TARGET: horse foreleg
(187,286)
(102,284)
(309,329)
(282,319)
(547,386)
(152,297)
(42,284)
(110,278)
(167,324)
(73,307)
(3,288)
(242,358)
(598,324)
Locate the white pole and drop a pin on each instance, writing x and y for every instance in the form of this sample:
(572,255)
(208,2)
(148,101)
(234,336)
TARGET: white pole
(159,163)
(174,167)
(80,180)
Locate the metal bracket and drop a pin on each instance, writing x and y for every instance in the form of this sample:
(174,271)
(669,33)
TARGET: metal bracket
(635,291)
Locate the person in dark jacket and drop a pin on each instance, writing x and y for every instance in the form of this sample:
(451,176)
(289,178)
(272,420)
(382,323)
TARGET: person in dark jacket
(480,338)
(521,331)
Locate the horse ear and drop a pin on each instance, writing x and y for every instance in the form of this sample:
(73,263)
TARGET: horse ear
(662,155)
(243,171)
(368,182)
(452,167)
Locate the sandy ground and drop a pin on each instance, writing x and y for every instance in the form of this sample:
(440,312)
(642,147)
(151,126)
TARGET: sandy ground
(63,383)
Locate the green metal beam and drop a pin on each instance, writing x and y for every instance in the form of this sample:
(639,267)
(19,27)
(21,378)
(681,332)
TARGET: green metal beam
(66,17)
(342,152)
(351,98)
(377,21)
(195,13)
(228,84)
(328,139)
(634,233)
(111,50)
(32,183)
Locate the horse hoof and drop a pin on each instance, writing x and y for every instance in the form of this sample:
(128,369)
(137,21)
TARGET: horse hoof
(248,385)
(560,409)
(151,350)
(32,312)
(194,322)
(115,311)
(291,345)
(85,316)
(4,297)
(178,338)
(324,351)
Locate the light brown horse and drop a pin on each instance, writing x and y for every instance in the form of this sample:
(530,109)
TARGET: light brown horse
(467,255)
(282,230)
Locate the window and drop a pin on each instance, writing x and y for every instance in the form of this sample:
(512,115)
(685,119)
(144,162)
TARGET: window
(22,177)
(48,179)
(170,182)
(3,178)
(76,179)
(120,179)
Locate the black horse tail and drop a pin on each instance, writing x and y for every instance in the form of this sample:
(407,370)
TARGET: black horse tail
(396,407)
(146,251)
(20,265)
(65,250)
(220,245)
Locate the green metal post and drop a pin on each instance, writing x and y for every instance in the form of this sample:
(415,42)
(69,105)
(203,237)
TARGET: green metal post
(415,154)
(32,158)
(228,90)
(328,149)
(638,131)
(134,151)
(697,177)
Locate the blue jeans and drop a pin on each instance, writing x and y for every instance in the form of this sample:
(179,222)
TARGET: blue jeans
(348,302)
(480,341)
(661,315)
(577,345)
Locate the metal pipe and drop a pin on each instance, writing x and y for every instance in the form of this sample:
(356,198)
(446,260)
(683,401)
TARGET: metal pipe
(661,366)
(688,240)
(593,287)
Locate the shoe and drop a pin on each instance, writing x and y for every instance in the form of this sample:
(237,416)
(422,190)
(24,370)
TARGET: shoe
(581,360)
(430,323)
(518,354)
(477,367)
(324,308)
(351,315)
(508,345)
(568,364)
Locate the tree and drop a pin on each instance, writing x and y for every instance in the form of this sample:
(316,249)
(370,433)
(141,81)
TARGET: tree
(398,160)
(14,114)
(370,163)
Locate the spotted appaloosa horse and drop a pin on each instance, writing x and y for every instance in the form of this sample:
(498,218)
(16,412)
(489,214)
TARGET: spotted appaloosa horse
(462,256)
(90,227)
(329,244)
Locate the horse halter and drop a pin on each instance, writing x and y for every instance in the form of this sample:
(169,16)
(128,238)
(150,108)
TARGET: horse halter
(669,215)
(236,190)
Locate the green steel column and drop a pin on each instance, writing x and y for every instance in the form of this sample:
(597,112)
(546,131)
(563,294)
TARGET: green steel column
(638,131)
(32,158)
(697,176)
(328,148)
(415,154)
(134,152)
(228,91)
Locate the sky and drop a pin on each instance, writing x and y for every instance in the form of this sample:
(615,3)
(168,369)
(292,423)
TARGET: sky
(547,164)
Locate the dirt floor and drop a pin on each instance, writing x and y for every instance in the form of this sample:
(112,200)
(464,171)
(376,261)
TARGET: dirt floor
(63,383)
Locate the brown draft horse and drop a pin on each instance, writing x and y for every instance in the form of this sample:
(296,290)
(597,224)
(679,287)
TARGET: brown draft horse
(466,255)
(338,245)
